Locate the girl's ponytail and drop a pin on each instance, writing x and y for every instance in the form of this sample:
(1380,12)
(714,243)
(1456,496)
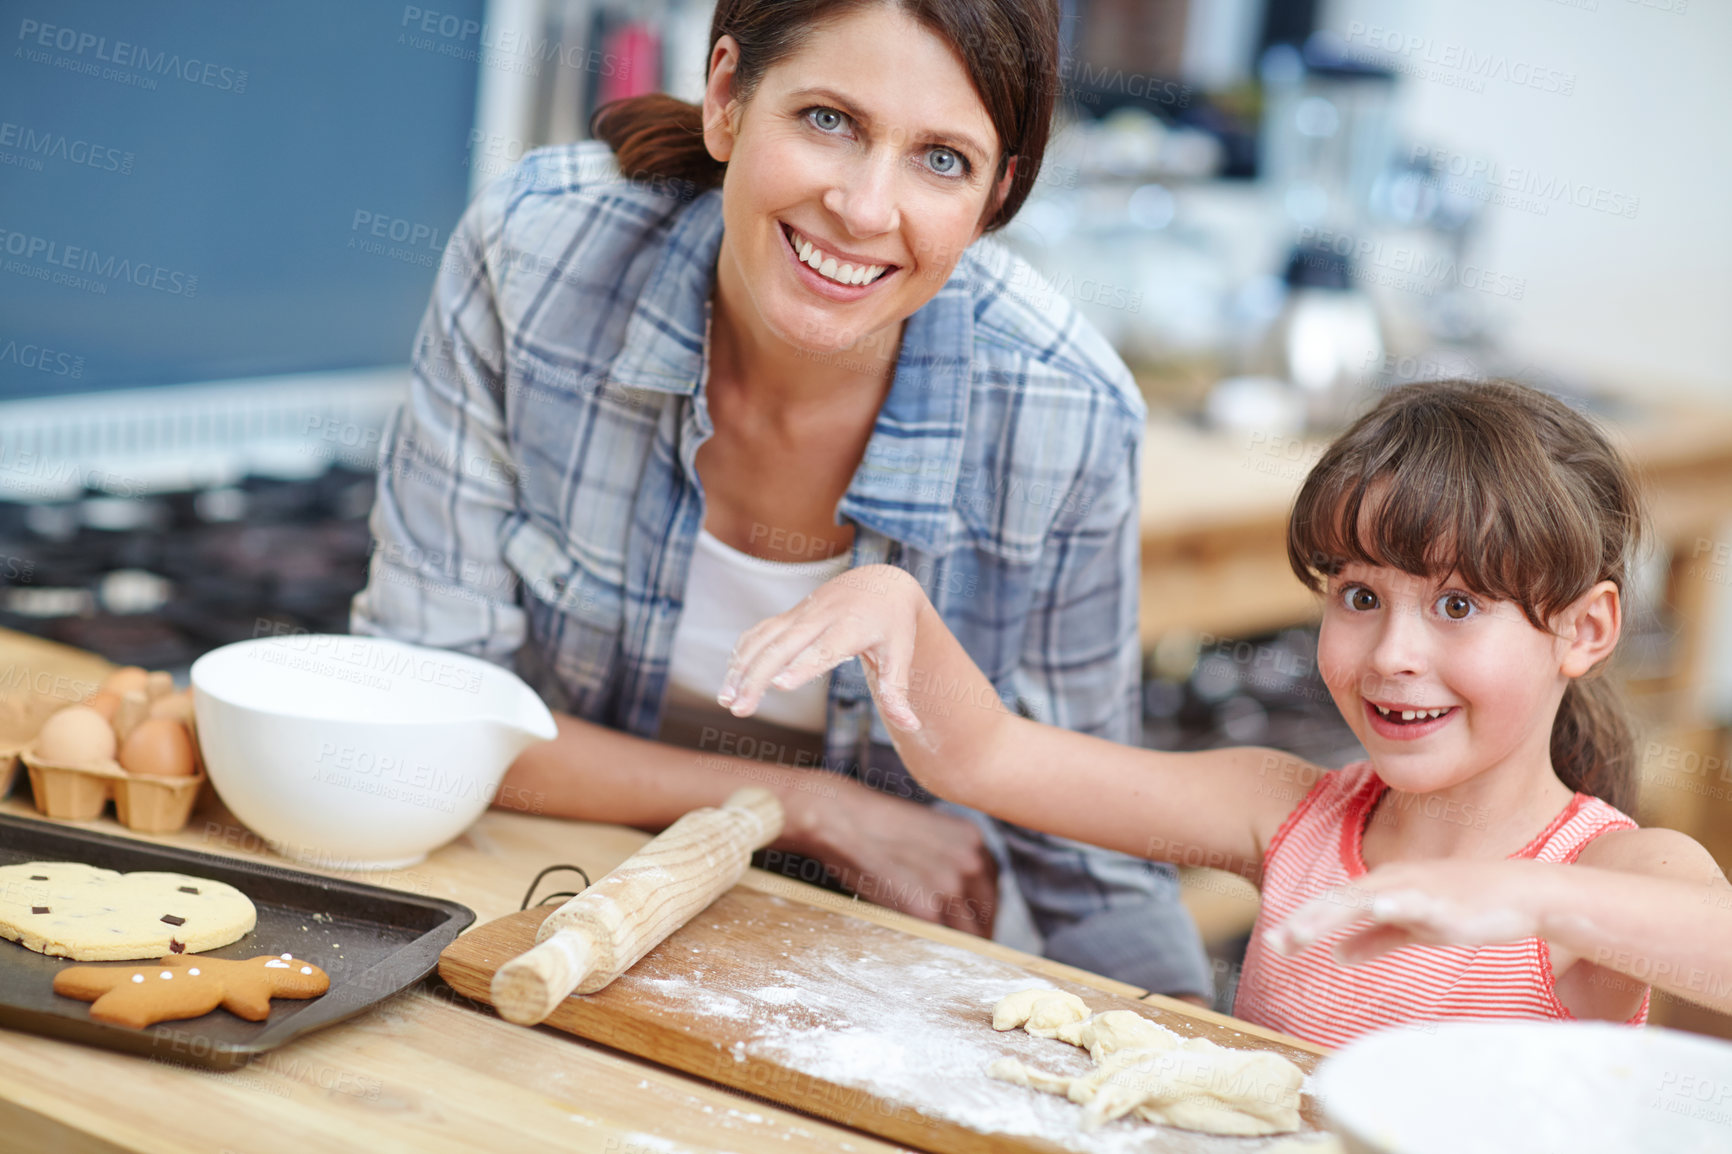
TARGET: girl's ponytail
(1593,747)
(657,136)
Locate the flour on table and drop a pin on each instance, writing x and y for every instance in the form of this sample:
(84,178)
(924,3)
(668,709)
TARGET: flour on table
(1146,1069)
(888,1027)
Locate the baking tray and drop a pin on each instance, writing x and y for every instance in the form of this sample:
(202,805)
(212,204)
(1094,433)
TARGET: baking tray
(372,941)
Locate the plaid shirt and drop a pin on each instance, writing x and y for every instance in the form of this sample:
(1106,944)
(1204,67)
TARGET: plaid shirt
(538,503)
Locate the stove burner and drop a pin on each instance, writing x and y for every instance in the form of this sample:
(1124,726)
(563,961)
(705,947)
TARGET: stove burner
(157,581)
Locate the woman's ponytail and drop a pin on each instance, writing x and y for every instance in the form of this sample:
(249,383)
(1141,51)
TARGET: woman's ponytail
(658,136)
(1593,747)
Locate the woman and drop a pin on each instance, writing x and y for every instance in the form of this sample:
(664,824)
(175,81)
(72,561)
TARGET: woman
(641,421)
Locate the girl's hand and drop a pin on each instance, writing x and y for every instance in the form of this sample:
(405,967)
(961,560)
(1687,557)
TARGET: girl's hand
(869,613)
(1461,903)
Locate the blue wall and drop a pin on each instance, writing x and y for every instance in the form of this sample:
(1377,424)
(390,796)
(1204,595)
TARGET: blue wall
(222,189)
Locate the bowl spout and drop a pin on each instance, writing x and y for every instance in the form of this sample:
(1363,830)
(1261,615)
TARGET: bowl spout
(529,722)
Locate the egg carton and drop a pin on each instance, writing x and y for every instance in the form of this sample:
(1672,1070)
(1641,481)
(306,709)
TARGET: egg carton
(20,718)
(8,768)
(144,803)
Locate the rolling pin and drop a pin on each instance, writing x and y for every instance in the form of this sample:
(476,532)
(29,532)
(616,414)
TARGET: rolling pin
(598,935)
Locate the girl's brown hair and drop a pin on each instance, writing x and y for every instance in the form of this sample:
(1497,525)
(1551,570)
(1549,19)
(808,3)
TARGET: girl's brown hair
(1508,487)
(1008,47)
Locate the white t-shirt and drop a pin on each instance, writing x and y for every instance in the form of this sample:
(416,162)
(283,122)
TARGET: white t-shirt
(727,593)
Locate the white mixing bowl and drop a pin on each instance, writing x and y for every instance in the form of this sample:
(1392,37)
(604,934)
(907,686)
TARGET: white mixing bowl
(358,752)
(1529,1087)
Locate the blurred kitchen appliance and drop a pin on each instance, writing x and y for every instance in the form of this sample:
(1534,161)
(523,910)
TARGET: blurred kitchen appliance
(1326,131)
(1325,140)
(1326,341)
(158,579)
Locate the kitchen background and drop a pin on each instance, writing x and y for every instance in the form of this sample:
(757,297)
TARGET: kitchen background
(218,228)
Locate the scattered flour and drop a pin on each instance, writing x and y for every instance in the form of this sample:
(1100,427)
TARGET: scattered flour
(905,1025)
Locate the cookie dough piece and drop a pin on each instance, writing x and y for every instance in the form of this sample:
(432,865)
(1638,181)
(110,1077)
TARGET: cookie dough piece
(1014,1071)
(181,987)
(1118,1030)
(1146,1069)
(1210,1115)
(1208,1087)
(71,910)
(1040,1012)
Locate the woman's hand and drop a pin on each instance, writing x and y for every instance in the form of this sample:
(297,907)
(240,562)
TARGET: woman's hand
(869,613)
(898,853)
(1443,902)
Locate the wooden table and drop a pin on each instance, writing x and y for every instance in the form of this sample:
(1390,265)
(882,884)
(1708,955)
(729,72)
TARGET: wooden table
(426,1070)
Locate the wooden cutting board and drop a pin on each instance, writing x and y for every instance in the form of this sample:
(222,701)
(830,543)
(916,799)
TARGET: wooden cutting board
(849,1021)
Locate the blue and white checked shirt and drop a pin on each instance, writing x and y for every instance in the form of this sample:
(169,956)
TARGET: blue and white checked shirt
(538,503)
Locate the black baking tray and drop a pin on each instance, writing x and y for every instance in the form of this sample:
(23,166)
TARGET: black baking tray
(372,941)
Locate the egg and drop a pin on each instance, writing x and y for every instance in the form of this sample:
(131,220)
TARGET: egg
(105,702)
(159,747)
(77,735)
(125,680)
(177,705)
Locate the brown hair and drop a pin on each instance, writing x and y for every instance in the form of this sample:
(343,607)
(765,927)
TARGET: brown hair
(1512,489)
(1008,47)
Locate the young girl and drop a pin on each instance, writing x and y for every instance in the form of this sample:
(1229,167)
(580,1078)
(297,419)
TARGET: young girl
(1470,542)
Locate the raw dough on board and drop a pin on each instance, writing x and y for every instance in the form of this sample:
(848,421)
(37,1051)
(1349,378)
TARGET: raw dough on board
(1041,1012)
(1147,1069)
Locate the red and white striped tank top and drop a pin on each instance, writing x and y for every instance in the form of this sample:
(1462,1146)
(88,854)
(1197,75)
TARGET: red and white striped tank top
(1312,996)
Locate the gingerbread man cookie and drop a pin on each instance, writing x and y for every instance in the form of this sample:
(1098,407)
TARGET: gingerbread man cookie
(179,986)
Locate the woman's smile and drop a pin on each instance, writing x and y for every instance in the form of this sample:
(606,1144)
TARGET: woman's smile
(830,272)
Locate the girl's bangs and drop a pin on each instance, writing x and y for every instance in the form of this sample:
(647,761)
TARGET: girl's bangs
(1427,500)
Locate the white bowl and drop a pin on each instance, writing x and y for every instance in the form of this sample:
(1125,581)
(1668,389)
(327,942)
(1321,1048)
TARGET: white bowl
(358,752)
(1532,1087)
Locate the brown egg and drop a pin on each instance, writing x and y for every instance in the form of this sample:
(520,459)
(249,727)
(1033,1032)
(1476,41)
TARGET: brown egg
(160,747)
(125,680)
(177,705)
(105,702)
(157,684)
(77,735)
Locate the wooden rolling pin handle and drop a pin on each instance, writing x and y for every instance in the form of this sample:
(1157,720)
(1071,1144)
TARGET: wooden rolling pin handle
(762,805)
(542,978)
(600,933)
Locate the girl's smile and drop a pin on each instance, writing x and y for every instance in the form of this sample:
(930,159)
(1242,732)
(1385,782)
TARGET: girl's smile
(1401,722)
